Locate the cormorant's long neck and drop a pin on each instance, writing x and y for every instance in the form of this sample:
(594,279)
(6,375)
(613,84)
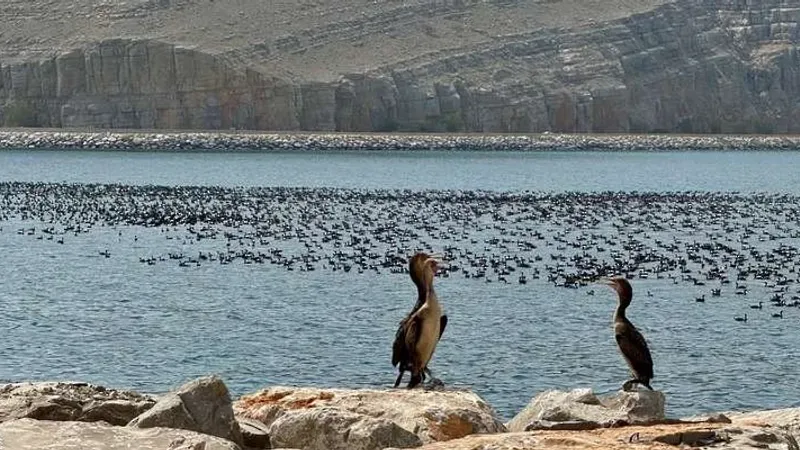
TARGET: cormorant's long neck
(430,297)
(619,313)
(422,294)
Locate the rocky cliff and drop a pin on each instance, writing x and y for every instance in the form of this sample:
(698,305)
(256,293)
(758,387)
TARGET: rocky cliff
(726,66)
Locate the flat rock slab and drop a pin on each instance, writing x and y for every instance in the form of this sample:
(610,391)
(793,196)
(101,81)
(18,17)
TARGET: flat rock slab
(430,415)
(71,401)
(582,405)
(632,437)
(787,418)
(29,434)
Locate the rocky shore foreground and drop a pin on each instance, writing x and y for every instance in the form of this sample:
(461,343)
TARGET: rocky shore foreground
(246,141)
(201,415)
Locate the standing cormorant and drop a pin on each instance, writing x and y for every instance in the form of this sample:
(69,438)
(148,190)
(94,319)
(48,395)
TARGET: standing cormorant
(420,331)
(631,343)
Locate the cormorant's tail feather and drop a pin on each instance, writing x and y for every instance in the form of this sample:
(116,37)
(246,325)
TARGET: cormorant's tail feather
(646,383)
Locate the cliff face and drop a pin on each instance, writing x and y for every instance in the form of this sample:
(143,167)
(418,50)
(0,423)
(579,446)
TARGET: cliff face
(144,84)
(689,66)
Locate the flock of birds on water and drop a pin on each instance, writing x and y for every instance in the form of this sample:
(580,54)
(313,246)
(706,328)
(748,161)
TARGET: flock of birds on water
(724,244)
(730,245)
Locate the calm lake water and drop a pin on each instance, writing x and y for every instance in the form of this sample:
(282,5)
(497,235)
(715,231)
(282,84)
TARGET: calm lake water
(71,312)
(771,171)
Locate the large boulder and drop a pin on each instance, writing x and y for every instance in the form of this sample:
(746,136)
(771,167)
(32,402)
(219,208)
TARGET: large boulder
(430,415)
(581,408)
(255,435)
(787,419)
(202,405)
(71,401)
(722,436)
(29,434)
(331,429)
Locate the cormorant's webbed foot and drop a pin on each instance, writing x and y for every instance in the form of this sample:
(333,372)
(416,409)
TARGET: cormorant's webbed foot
(630,385)
(416,379)
(434,385)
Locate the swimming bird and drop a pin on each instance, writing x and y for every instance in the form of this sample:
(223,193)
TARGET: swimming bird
(629,340)
(741,319)
(420,331)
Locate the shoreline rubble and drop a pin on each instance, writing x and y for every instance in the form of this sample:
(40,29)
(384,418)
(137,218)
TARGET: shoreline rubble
(240,141)
(201,414)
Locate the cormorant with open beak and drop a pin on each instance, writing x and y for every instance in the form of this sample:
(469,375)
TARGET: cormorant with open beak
(420,331)
(630,341)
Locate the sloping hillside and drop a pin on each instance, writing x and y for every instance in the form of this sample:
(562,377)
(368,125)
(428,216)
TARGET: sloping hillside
(495,66)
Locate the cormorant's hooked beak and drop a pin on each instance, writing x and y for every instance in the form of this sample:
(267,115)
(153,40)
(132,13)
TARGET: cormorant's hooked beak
(606,281)
(437,259)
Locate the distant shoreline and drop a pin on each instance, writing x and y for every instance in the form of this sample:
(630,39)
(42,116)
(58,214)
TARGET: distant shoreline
(244,141)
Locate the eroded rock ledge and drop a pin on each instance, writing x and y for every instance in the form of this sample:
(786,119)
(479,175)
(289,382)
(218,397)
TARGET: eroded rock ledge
(201,415)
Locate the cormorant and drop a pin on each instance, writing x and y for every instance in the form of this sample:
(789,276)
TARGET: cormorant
(420,331)
(631,343)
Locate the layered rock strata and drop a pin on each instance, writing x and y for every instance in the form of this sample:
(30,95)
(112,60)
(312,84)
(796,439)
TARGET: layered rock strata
(718,66)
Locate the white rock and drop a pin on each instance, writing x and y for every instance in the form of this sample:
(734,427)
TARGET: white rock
(29,434)
(430,415)
(202,405)
(582,405)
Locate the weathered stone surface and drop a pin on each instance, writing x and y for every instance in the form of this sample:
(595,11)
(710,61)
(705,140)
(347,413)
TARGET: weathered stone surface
(582,405)
(255,435)
(633,437)
(335,429)
(431,416)
(29,434)
(787,419)
(70,401)
(202,405)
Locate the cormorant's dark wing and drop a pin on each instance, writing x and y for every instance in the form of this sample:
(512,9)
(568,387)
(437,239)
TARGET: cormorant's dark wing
(442,325)
(412,332)
(634,348)
(399,352)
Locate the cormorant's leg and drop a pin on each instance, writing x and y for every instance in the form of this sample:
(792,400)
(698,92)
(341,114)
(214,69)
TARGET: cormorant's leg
(399,378)
(434,380)
(416,379)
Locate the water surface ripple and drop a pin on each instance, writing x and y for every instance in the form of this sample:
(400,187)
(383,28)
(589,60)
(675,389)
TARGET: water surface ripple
(144,287)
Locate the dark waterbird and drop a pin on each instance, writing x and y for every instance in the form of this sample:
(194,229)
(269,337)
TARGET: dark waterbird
(420,331)
(630,341)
